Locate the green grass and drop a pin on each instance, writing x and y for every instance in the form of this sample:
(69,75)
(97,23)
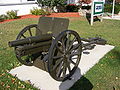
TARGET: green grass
(103,76)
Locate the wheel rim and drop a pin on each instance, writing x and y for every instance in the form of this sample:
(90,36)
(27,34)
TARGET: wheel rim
(28,31)
(64,55)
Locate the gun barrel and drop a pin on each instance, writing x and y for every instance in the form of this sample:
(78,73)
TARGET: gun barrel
(28,47)
(29,40)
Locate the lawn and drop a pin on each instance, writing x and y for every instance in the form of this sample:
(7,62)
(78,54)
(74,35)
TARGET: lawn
(103,76)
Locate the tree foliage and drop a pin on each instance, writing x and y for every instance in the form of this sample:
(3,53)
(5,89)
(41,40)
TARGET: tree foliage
(51,3)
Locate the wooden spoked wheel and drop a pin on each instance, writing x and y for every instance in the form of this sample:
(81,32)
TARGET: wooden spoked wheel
(64,55)
(28,31)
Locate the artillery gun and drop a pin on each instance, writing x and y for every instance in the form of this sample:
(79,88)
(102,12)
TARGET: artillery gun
(50,46)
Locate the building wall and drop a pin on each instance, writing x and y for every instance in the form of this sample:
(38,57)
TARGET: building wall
(72,1)
(9,1)
(16,1)
(22,6)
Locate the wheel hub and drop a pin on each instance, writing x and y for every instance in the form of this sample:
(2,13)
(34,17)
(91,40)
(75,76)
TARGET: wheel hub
(66,59)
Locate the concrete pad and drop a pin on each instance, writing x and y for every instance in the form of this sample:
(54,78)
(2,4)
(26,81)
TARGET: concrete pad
(43,81)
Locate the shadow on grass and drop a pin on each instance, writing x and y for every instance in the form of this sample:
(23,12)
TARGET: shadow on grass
(117,54)
(82,84)
(115,57)
(77,82)
(88,17)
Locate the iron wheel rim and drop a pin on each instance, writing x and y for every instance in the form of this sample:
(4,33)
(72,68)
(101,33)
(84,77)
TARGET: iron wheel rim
(60,68)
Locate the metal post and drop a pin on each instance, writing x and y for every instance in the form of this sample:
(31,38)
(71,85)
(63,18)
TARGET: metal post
(101,18)
(113,8)
(92,10)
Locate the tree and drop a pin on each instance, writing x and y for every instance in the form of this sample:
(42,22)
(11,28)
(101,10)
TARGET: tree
(43,2)
(52,3)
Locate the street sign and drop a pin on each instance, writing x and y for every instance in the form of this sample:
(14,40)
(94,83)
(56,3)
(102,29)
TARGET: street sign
(97,9)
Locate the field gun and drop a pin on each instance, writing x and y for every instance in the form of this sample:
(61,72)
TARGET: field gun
(50,46)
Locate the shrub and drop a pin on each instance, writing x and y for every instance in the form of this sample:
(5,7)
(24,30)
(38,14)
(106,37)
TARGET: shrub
(47,13)
(86,7)
(42,12)
(47,10)
(108,8)
(12,14)
(36,11)
(117,8)
(72,8)
(3,17)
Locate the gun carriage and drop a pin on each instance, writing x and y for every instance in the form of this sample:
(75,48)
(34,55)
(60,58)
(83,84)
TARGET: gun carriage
(50,46)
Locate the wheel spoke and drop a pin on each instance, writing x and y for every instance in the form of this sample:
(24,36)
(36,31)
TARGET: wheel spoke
(63,44)
(57,64)
(30,32)
(71,44)
(59,73)
(69,68)
(64,70)
(68,41)
(72,62)
(60,70)
(58,48)
(74,47)
(73,54)
(23,35)
(57,57)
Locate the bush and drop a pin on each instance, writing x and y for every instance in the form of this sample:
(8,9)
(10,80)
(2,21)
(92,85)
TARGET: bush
(47,13)
(108,8)
(12,14)
(86,7)
(117,8)
(36,11)
(72,8)
(9,15)
(47,10)
(3,17)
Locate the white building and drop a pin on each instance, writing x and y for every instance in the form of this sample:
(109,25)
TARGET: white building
(72,1)
(22,6)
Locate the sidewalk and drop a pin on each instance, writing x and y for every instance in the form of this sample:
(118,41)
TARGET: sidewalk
(110,17)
